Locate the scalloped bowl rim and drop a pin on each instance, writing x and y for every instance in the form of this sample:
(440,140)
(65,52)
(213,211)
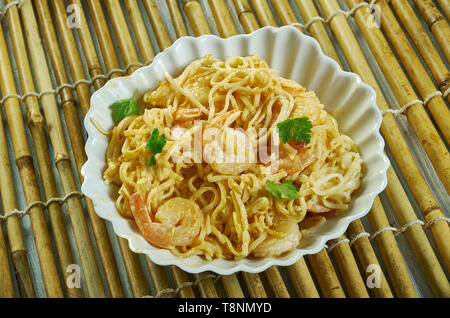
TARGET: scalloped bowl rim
(239,265)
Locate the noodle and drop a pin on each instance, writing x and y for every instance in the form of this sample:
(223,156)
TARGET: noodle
(240,99)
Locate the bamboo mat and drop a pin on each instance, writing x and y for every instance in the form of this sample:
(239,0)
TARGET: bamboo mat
(49,71)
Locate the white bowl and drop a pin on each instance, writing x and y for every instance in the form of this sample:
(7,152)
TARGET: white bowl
(295,56)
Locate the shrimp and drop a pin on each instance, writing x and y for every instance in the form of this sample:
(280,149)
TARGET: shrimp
(302,159)
(185,116)
(273,246)
(200,89)
(307,104)
(237,157)
(180,221)
(224,119)
(160,96)
(319,208)
(229,151)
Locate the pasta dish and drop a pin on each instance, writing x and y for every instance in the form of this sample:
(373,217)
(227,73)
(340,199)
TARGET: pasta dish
(229,160)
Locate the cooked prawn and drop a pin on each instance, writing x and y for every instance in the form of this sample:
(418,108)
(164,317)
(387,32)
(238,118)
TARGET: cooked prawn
(230,151)
(307,104)
(180,221)
(302,159)
(274,246)
(185,117)
(159,96)
(319,208)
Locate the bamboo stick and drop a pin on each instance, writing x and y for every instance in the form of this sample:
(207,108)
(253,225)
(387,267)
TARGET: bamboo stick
(390,253)
(126,45)
(25,163)
(90,54)
(437,23)
(13,229)
(77,70)
(389,128)
(367,257)
(180,277)
(276,283)
(317,28)
(36,125)
(445,7)
(417,239)
(302,280)
(264,13)
(131,261)
(134,270)
(349,269)
(13,226)
(72,55)
(284,11)
(83,93)
(412,64)
(196,17)
(232,287)
(62,162)
(245,15)
(37,217)
(325,275)
(159,277)
(418,118)
(254,285)
(423,43)
(74,126)
(206,286)
(6,283)
(177,19)
(57,63)
(140,31)
(103,37)
(223,19)
(287,17)
(157,24)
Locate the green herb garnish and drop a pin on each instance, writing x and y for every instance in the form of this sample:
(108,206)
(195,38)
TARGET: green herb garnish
(124,108)
(155,145)
(286,190)
(297,129)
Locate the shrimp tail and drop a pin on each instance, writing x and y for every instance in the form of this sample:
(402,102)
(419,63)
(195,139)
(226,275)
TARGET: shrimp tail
(154,233)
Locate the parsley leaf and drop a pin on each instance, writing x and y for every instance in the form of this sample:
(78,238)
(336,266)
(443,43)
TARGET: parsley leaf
(155,145)
(286,190)
(124,108)
(297,129)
